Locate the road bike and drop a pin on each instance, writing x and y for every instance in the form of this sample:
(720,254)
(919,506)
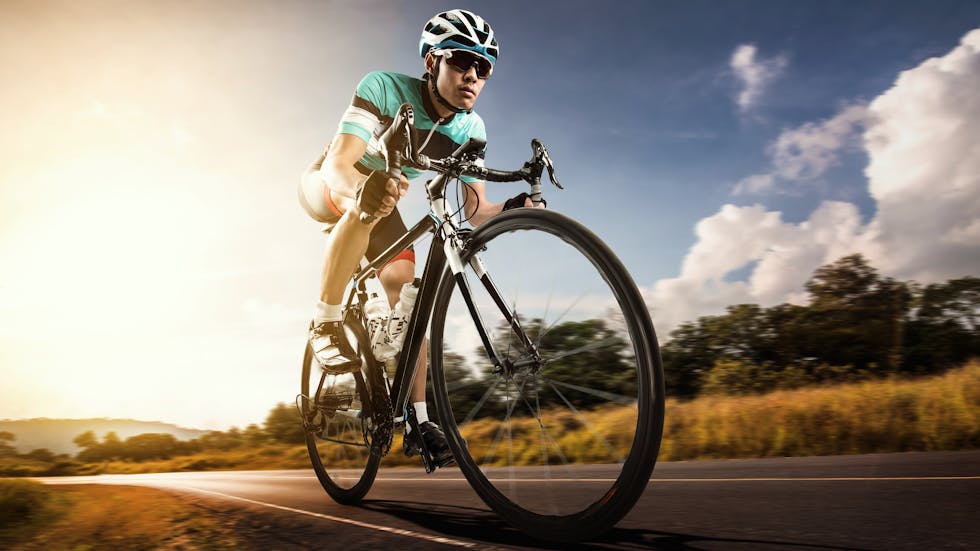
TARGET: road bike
(545,368)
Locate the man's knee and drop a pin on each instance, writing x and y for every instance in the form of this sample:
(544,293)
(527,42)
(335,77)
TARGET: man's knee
(397,273)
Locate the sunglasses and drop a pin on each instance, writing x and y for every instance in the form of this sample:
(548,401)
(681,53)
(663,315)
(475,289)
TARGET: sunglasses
(462,60)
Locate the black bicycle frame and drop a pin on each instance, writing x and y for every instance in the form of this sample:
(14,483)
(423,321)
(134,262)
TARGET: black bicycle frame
(435,265)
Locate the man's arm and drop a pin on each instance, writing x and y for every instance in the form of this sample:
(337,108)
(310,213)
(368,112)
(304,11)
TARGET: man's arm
(478,209)
(338,169)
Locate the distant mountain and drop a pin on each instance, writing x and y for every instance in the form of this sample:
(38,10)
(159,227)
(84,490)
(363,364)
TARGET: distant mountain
(57,434)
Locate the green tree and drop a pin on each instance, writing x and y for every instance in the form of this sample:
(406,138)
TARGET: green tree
(91,449)
(143,447)
(254,435)
(687,356)
(465,388)
(112,446)
(857,316)
(41,454)
(283,425)
(944,331)
(591,355)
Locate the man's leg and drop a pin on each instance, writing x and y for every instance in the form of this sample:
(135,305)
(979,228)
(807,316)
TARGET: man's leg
(346,245)
(393,277)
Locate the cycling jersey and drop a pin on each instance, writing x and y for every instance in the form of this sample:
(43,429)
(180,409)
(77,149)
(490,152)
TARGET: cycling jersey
(375,104)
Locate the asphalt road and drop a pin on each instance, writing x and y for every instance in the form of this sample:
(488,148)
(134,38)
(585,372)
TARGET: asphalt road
(889,501)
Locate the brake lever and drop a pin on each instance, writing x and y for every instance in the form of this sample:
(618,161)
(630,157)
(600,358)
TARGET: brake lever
(398,147)
(541,152)
(404,148)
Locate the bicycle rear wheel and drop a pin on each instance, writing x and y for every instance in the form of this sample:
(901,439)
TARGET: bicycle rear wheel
(562,442)
(341,421)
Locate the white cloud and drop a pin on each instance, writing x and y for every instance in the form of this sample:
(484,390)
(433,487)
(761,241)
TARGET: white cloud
(807,152)
(922,137)
(924,169)
(754,73)
(784,255)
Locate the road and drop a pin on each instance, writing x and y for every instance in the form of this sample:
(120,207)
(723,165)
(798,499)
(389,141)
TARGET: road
(887,501)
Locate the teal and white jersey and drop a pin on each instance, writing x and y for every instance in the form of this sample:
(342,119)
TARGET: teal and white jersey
(375,103)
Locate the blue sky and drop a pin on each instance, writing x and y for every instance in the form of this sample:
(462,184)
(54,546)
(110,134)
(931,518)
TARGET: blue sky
(150,236)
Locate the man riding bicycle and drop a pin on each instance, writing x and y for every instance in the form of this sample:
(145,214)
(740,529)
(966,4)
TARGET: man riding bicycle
(459,52)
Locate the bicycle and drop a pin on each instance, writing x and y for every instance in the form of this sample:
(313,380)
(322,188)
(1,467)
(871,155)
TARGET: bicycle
(554,420)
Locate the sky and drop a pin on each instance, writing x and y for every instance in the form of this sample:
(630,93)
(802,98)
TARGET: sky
(155,263)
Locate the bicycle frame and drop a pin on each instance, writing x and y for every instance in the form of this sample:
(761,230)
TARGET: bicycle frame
(447,246)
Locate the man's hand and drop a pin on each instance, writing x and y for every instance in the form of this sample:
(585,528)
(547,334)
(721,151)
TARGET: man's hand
(529,203)
(522,200)
(394,190)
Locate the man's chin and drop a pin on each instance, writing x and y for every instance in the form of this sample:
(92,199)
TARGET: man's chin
(465,103)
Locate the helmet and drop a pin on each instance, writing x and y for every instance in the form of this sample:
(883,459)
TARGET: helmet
(459,30)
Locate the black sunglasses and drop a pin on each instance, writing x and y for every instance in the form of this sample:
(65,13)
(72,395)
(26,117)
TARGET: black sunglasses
(462,60)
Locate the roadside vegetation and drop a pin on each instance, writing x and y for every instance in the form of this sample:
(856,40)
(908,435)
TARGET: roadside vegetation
(870,364)
(34,516)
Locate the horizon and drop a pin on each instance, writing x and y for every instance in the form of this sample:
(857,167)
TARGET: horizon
(157,263)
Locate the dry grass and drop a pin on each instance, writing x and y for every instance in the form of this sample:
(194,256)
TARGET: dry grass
(112,517)
(937,413)
(931,414)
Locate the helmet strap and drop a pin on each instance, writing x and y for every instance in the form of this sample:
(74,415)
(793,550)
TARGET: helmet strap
(432,78)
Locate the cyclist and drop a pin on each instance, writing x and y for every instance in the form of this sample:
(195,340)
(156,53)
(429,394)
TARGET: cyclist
(459,51)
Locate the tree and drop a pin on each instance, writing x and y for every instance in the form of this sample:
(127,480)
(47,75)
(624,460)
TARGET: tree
(147,446)
(6,449)
(858,316)
(90,447)
(41,454)
(687,357)
(591,355)
(283,425)
(944,331)
(112,446)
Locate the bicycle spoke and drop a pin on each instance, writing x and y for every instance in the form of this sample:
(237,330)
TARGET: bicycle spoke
(458,385)
(585,423)
(561,317)
(579,313)
(594,392)
(596,345)
(545,433)
(479,405)
(497,437)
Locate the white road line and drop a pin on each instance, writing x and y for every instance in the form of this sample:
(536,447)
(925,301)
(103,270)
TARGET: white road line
(381,528)
(767,479)
(611,480)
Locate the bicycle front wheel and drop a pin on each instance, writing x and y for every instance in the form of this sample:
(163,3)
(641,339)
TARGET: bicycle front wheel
(562,440)
(341,422)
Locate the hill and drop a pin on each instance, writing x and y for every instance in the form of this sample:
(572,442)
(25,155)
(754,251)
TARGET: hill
(57,434)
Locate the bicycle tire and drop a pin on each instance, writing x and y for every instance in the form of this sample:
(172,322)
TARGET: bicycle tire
(580,508)
(354,467)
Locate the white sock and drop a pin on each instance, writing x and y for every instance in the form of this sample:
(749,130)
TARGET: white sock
(327,312)
(421,414)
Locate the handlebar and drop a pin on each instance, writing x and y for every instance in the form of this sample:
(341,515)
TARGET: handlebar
(401,152)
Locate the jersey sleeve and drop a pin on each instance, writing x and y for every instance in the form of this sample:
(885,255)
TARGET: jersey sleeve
(363,115)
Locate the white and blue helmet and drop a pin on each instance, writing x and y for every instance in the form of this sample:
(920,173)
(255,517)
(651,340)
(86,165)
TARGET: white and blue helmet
(459,30)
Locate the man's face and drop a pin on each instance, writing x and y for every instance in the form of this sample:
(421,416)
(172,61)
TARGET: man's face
(460,88)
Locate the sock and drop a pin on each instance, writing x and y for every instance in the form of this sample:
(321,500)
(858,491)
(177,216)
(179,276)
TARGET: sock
(327,312)
(421,414)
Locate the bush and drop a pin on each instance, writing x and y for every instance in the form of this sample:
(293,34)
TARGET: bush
(22,501)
